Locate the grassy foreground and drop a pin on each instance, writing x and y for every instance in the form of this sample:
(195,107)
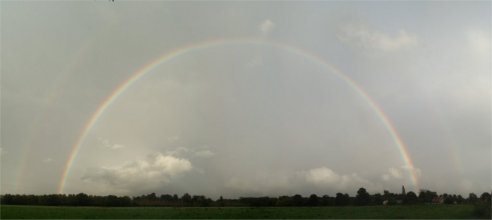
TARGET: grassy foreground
(379,212)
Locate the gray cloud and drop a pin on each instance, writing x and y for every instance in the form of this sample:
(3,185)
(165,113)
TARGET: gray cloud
(363,36)
(320,180)
(266,27)
(149,173)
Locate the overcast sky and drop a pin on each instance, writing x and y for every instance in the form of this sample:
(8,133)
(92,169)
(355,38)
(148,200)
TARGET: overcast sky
(246,118)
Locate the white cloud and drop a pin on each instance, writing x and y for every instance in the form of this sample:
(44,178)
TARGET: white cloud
(395,173)
(241,185)
(401,173)
(365,37)
(201,152)
(173,138)
(107,144)
(266,27)
(116,146)
(413,170)
(467,185)
(47,160)
(385,177)
(317,180)
(479,41)
(322,175)
(3,152)
(326,178)
(255,62)
(204,153)
(262,183)
(150,172)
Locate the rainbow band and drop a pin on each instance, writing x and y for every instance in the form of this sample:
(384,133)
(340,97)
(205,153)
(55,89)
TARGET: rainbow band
(214,43)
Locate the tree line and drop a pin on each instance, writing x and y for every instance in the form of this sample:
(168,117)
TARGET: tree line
(362,198)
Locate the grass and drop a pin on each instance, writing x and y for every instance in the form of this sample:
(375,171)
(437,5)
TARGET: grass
(367,212)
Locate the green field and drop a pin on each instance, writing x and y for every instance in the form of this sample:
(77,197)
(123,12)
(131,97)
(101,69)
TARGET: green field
(380,212)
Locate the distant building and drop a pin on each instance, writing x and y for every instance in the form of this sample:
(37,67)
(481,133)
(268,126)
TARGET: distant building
(403,190)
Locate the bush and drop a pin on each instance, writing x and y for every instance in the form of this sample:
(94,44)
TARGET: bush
(482,210)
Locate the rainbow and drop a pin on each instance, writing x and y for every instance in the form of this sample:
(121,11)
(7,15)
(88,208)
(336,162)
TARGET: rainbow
(106,103)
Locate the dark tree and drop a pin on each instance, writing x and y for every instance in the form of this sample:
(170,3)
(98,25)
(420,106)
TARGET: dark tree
(285,201)
(201,201)
(82,199)
(221,201)
(481,204)
(448,199)
(313,200)
(152,197)
(7,199)
(426,196)
(297,200)
(326,200)
(342,199)
(460,199)
(258,201)
(411,198)
(166,198)
(377,199)
(53,199)
(111,200)
(186,199)
(362,198)
(485,197)
(472,198)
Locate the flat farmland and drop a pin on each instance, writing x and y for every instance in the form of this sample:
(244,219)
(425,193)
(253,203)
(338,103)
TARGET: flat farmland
(351,212)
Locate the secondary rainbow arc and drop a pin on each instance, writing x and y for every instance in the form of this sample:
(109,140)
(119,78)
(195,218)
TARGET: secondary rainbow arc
(121,88)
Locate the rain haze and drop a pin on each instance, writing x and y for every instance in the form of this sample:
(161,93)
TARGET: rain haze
(245,98)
